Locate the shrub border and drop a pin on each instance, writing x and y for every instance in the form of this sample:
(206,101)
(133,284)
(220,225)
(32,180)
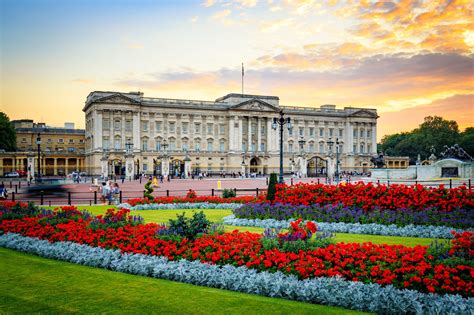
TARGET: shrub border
(178,206)
(329,291)
(410,230)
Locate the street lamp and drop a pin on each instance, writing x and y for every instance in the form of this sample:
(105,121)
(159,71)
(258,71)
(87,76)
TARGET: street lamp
(38,142)
(337,161)
(301,142)
(281,122)
(128,147)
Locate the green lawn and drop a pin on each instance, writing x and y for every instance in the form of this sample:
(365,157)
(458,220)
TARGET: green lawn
(32,284)
(216,215)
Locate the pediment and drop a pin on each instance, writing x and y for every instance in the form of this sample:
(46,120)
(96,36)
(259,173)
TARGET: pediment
(117,98)
(364,113)
(255,105)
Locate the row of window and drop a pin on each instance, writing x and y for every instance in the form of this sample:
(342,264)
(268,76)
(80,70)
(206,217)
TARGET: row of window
(60,140)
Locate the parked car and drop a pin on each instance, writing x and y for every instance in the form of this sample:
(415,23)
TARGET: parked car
(22,173)
(12,174)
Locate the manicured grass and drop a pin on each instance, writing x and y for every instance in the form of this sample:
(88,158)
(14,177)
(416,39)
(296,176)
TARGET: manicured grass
(216,215)
(32,284)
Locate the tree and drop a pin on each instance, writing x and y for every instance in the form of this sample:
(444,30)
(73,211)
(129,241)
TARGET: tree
(7,134)
(466,140)
(433,132)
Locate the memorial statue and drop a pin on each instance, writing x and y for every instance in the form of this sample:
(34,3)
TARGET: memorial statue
(378,161)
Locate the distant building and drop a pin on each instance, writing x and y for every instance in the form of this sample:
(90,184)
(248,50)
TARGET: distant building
(62,149)
(231,134)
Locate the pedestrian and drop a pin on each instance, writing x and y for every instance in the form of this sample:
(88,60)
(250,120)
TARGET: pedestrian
(123,178)
(115,193)
(104,190)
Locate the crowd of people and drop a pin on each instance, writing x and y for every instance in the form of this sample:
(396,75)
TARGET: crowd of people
(109,192)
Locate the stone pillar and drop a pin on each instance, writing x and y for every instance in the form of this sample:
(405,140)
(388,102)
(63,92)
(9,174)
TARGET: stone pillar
(374,138)
(241,134)
(249,134)
(136,130)
(187,166)
(331,168)
(104,166)
(66,166)
(97,130)
(129,166)
(165,166)
(259,134)
(55,166)
(231,134)
(31,167)
(349,138)
(269,145)
(2,171)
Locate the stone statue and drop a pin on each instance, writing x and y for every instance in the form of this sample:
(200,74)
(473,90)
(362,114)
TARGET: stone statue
(378,161)
(455,152)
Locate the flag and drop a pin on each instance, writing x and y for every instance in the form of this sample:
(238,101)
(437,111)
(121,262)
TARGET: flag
(242,69)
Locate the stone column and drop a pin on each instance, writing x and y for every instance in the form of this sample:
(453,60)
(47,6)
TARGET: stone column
(231,134)
(104,166)
(129,166)
(259,134)
(349,138)
(249,134)
(55,166)
(187,166)
(374,138)
(165,165)
(66,166)
(269,131)
(241,133)
(97,130)
(31,167)
(136,130)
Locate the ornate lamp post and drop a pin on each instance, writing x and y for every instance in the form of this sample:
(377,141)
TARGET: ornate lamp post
(303,170)
(243,165)
(165,160)
(337,160)
(38,142)
(281,122)
(129,163)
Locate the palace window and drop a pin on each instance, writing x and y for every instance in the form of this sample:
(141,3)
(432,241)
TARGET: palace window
(197,145)
(118,143)
(262,147)
(354,134)
(210,129)
(290,147)
(301,129)
(144,144)
(105,143)
(253,147)
(145,126)
(341,132)
(369,133)
(369,148)
(321,132)
(158,126)
(311,147)
(71,140)
(197,127)
(222,146)
(172,127)
(221,129)
(331,132)
(158,145)
(105,124)
(321,147)
(362,148)
(311,132)
(128,125)
(262,130)
(209,145)
(184,127)
(60,140)
(244,146)
(354,148)
(117,124)
(184,145)
(172,145)
(290,132)
(362,133)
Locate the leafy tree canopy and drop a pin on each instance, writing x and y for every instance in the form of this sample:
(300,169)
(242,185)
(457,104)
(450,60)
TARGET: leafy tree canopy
(7,133)
(433,132)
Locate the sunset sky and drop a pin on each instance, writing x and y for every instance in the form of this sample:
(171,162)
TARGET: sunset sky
(408,59)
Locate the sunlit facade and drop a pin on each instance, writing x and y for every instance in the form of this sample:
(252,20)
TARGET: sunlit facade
(231,134)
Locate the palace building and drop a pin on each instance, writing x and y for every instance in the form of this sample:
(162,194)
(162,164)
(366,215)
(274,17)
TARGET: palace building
(128,134)
(61,149)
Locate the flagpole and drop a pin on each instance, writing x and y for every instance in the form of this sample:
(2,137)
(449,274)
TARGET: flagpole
(242,78)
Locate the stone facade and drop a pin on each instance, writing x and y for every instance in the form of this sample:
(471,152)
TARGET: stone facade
(61,150)
(127,133)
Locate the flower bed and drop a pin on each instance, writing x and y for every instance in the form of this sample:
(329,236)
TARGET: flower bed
(397,265)
(355,228)
(192,199)
(330,291)
(372,197)
(456,218)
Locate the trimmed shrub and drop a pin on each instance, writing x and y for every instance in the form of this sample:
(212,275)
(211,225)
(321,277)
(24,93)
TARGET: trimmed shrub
(228,193)
(148,191)
(272,187)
